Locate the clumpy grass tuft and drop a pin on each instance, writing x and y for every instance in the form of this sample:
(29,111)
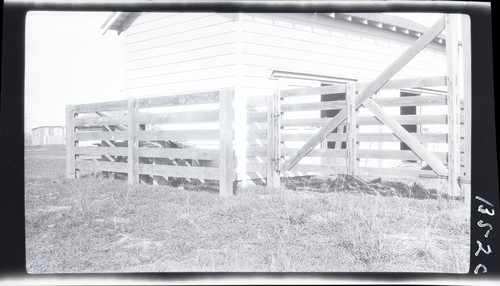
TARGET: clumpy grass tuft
(97,224)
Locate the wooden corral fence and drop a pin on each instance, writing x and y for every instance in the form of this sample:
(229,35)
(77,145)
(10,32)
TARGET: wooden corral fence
(124,137)
(149,139)
(452,164)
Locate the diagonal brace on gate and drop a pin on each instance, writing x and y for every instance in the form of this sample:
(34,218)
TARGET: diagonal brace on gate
(365,94)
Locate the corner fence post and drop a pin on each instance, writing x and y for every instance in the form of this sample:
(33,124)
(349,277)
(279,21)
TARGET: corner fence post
(133,144)
(70,142)
(273,139)
(453,101)
(467,94)
(351,130)
(226,135)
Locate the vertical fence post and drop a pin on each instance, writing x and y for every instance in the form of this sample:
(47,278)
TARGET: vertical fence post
(453,105)
(467,93)
(133,144)
(226,135)
(351,129)
(70,142)
(273,139)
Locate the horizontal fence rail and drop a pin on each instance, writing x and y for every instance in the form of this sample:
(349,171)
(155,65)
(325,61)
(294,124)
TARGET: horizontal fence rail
(151,139)
(302,113)
(190,136)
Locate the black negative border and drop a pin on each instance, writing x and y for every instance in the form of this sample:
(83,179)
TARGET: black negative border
(484,153)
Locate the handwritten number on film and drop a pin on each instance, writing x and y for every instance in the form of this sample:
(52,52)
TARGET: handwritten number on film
(484,210)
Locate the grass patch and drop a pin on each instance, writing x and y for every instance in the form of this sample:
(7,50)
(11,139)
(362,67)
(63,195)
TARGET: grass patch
(104,225)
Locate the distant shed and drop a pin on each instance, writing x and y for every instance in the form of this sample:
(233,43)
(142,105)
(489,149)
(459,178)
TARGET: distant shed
(46,135)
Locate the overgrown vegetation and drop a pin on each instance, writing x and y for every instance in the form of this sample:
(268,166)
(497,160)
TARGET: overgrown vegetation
(103,225)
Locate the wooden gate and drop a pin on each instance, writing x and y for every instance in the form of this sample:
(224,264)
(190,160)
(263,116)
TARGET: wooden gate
(281,160)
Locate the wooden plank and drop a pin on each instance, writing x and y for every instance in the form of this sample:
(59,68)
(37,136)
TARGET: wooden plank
(70,142)
(392,84)
(296,136)
(101,106)
(226,152)
(257,167)
(89,128)
(406,137)
(178,117)
(369,120)
(179,171)
(340,88)
(432,81)
(273,140)
(391,137)
(368,137)
(133,143)
(179,135)
(336,153)
(261,151)
(351,144)
(325,105)
(256,151)
(406,119)
(467,95)
(321,169)
(99,121)
(257,100)
(112,127)
(453,104)
(384,102)
(257,117)
(179,99)
(396,173)
(373,87)
(257,136)
(99,166)
(108,151)
(99,136)
(411,101)
(397,155)
(178,153)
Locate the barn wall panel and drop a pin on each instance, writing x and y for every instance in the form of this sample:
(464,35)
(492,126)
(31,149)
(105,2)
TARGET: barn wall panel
(168,53)
(321,45)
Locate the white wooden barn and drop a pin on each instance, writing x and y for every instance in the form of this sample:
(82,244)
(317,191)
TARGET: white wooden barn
(47,135)
(257,53)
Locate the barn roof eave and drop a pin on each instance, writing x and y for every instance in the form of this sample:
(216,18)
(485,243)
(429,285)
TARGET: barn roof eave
(387,22)
(120,21)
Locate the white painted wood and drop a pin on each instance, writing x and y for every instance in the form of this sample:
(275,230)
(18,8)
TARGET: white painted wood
(186,86)
(453,104)
(70,142)
(226,152)
(186,56)
(351,115)
(273,140)
(190,40)
(385,76)
(194,75)
(467,97)
(182,23)
(149,17)
(203,62)
(406,137)
(179,53)
(133,143)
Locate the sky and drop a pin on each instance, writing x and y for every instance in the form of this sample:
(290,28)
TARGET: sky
(70,61)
